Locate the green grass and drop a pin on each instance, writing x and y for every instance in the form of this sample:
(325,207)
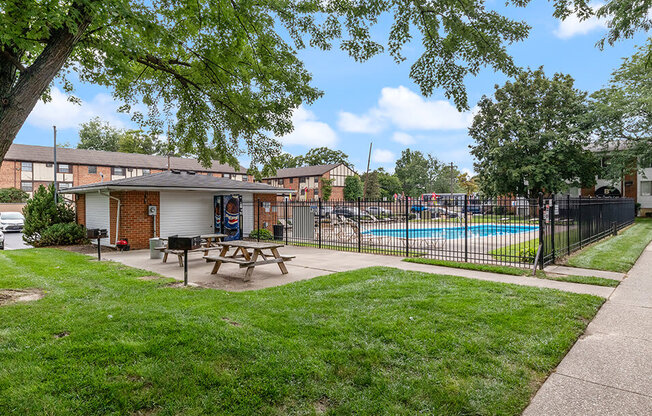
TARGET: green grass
(512,252)
(515,271)
(491,268)
(352,247)
(372,341)
(618,253)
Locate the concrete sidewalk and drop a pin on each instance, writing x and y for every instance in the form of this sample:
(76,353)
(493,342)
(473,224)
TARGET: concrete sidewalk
(609,369)
(311,262)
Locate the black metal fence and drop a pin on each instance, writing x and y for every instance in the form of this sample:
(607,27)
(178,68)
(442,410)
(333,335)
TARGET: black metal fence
(513,231)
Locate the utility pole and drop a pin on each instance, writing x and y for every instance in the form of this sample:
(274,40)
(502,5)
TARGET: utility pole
(364,186)
(56,198)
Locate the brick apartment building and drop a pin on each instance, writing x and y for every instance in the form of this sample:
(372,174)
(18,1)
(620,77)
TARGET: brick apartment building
(306,180)
(26,167)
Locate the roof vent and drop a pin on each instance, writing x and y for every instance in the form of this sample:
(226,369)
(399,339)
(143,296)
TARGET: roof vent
(175,171)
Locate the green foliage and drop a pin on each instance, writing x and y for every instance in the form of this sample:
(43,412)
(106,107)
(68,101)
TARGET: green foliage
(262,234)
(622,116)
(419,174)
(62,234)
(469,184)
(389,184)
(8,195)
(326,188)
(352,188)
(98,135)
(535,129)
(41,212)
(527,254)
(371,185)
(323,156)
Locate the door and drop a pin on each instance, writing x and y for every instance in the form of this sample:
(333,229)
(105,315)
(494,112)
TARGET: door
(97,214)
(186,213)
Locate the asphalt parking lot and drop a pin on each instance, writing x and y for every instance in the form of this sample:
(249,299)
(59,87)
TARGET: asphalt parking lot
(14,241)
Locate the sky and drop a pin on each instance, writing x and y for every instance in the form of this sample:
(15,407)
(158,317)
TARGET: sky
(376,101)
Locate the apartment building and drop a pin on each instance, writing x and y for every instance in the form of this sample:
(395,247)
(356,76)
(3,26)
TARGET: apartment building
(307,180)
(26,167)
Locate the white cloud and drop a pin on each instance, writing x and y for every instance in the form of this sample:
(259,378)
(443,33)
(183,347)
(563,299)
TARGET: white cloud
(573,25)
(406,110)
(382,156)
(65,114)
(359,124)
(403,138)
(308,131)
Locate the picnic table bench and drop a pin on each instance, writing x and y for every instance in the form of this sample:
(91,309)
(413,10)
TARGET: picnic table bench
(247,254)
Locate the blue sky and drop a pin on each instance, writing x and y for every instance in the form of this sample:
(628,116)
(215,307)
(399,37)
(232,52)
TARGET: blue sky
(376,101)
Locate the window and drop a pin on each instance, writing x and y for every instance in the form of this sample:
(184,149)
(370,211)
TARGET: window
(92,169)
(26,186)
(63,168)
(118,171)
(291,180)
(646,188)
(63,185)
(146,171)
(244,178)
(226,175)
(26,166)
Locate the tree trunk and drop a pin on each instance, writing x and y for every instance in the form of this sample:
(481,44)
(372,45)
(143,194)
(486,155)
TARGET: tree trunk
(19,103)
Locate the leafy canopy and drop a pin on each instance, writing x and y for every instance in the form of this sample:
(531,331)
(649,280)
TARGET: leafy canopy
(535,129)
(9,195)
(41,212)
(352,188)
(98,135)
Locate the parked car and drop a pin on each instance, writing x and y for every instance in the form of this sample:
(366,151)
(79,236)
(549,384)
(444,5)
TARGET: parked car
(2,240)
(11,221)
(376,210)
(441,211)
(347,212)
(325,210)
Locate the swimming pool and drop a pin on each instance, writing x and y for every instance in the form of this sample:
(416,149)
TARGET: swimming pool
(449,233)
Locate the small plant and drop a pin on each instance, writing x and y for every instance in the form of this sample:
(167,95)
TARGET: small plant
(527,254)
(262,234)
(41,212)
(13,195)
(62,235)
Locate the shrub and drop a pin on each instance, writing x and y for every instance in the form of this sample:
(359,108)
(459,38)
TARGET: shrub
(63,234)
(263,234)
(527,254)
(9,195)
(41,212)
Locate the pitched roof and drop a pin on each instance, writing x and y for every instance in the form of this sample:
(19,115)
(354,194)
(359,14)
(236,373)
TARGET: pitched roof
(44,154)
(179,181)
(316,170)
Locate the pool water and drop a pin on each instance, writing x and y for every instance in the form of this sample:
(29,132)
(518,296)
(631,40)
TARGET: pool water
(449,233)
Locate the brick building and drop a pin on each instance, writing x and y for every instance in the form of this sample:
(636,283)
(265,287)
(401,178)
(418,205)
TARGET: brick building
(26,167)
(183,203)
(307,180)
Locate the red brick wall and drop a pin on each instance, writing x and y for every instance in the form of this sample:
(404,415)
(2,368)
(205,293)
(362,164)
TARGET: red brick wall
(80,200)
(270,217)
(9,176)
(337,194)
(135,224)
(82,177)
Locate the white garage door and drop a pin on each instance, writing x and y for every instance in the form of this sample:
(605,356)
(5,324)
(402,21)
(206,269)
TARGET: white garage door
(97,214)
(186,213)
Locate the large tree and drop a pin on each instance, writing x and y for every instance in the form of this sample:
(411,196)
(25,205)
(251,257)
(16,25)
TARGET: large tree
(622,115)
(98,135)
(323,156)
(412,169)
(390,185)
(533,137)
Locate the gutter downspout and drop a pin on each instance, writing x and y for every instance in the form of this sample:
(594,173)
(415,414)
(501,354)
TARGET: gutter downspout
(117,217)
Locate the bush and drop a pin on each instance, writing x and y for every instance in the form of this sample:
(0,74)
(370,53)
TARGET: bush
(263,234)
(62,235)
(9,195)
(527,255)
(41,213)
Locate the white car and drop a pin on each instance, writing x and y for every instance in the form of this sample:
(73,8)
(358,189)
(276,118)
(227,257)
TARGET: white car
(11,221)
(2,240)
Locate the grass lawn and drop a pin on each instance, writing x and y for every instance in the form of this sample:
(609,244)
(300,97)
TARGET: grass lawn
(515,271)
(371,341)
(617,253)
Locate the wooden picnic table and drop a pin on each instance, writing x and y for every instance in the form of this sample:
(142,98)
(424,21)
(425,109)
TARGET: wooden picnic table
(247,254)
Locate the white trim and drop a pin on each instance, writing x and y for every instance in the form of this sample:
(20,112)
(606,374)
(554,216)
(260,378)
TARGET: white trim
(150,188)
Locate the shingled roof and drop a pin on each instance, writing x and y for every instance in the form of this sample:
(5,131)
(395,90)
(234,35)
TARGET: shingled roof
(44,154)
(316,170)
(176,180)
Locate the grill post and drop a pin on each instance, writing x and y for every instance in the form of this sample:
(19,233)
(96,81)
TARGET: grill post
(359,230)
(541,233)
(407,225)
(551,215)
(185,267)
(466,227)
(319,220)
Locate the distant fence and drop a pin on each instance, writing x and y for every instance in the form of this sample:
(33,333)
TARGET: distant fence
(460,228)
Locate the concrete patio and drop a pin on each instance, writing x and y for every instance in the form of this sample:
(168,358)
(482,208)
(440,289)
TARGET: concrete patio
(311,262)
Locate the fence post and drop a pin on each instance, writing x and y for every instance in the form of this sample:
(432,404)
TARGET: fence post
(552,227)
(579,218)
(407,225)
(359,230)
(568,211)
(541,233)
(258,220)
(286,221)
(466,228)
(319,221)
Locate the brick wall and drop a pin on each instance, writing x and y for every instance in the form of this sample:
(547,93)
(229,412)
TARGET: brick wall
(135,224)
(267,219)
(82,177)
(9,176)
(11,207)
(80,204)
